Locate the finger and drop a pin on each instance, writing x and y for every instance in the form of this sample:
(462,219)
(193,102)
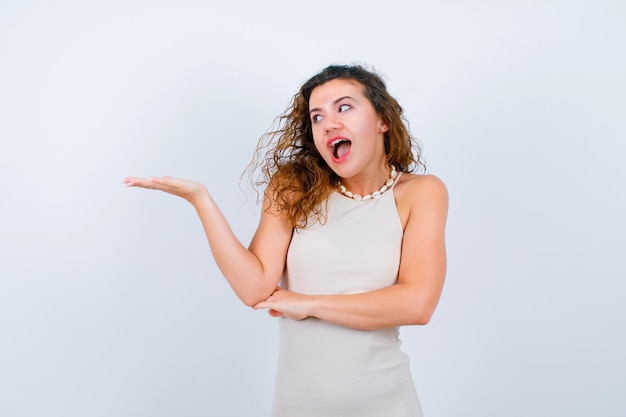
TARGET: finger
(139,182)
(160,180)
(166,183)
(275,313)
(260,305)
(131,180)
(154,183)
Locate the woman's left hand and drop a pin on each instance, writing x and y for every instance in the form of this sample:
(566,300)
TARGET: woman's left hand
(284,303)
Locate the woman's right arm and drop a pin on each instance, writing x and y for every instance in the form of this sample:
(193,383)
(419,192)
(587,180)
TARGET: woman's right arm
(254,272)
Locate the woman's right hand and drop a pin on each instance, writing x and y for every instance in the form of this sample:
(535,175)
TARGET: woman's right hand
(187,189)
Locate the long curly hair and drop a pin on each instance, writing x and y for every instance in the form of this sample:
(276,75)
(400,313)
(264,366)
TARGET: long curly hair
(294,173)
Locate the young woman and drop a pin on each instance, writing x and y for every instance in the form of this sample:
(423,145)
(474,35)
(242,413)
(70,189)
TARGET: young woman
(350,245)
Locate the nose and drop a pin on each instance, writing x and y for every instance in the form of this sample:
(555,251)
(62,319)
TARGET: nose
(332,123)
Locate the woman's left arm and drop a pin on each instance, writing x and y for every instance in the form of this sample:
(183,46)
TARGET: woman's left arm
(413,299)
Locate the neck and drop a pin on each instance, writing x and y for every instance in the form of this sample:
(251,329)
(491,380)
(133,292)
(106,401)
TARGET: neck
(367,191)
(369,180)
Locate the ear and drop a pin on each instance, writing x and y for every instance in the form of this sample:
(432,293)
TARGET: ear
(382,127)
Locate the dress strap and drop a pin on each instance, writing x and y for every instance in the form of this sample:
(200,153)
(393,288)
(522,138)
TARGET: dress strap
(397,179)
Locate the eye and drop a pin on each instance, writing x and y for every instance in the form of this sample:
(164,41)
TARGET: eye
(344,107)
(316,118)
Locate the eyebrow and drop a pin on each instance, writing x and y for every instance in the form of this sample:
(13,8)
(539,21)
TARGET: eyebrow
(334,102)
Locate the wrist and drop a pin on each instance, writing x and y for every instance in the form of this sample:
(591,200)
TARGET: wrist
(314,304)
(200,197)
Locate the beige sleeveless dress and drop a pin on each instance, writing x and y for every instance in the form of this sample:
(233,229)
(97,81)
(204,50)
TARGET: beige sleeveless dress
(328,370)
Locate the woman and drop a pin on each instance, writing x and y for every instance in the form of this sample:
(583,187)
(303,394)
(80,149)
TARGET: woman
(350,245)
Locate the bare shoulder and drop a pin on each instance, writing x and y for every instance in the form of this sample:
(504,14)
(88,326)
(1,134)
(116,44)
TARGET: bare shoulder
(416,187)
(415,192)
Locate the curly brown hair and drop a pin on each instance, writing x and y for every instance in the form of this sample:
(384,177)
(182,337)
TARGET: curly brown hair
(297,178)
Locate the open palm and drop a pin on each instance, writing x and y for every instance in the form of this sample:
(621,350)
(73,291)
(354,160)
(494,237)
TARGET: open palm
(187,189)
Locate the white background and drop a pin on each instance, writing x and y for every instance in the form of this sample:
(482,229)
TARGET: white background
(110,302)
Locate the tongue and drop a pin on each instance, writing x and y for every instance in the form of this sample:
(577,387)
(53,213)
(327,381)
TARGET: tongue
(342,149)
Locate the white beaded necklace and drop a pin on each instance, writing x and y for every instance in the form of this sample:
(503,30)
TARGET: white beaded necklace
(392,177)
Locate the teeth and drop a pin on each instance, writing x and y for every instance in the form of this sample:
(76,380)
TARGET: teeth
(335,142)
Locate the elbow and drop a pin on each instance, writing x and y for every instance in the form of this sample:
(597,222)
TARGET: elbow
(421,320)
(420,310)
(254,298)
(420,316)
(250,300)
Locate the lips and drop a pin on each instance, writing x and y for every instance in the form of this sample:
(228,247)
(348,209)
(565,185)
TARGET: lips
(339,148)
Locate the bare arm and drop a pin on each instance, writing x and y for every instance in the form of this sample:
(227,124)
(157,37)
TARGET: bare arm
(254,272)
(413,299)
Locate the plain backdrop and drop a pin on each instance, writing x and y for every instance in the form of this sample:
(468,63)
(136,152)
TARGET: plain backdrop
(110,302)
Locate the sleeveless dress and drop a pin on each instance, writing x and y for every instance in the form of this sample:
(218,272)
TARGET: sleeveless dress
(326,370)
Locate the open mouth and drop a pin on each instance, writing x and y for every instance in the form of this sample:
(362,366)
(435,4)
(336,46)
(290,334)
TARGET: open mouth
(340,148)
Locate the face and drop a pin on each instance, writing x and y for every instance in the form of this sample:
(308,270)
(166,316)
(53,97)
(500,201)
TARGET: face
(347,131)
